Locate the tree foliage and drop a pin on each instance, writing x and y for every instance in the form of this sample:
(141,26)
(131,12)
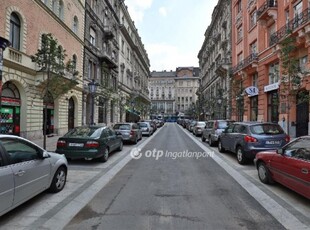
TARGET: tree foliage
(50,58)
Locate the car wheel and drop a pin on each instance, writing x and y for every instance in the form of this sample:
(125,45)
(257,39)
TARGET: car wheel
(203,139)
(59,180)
(120,148)
(240,156)
(105,156)
(135,140)
(211,143)
(220,147)
(264,174)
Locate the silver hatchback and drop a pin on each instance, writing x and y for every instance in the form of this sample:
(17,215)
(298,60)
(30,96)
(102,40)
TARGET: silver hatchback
(27,170)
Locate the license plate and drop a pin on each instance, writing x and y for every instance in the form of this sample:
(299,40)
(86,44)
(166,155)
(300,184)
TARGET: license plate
(273,142)
(76,144)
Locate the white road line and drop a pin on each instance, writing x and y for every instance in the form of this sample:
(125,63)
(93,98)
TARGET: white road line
(287,219)
(66,214)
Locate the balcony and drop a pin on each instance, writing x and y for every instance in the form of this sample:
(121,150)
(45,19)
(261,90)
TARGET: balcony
(249,62)
(267,11)
(293,26)
(108,33)
(222,65)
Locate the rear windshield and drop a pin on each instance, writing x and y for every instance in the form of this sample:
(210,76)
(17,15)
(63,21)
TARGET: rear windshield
(84,132)
(224,124)
(201,123)
(142,125)
(269,129)
(122,126)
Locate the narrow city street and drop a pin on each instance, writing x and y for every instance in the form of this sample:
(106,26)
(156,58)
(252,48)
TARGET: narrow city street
(160,192)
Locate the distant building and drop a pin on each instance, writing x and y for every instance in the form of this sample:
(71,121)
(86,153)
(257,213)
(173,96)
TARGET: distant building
(174,92)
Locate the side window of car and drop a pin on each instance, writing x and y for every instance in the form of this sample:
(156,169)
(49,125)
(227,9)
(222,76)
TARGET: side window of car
(20,151)
(230,128)
(105,133)
(111,132)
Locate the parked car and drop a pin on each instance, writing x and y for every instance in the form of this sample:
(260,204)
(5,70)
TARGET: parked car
(213,130)
(89,142)
(191,125)
(146,128)
(246,139)
(289,166)
(27,170)
(152,123)
(198,127)
(130,131)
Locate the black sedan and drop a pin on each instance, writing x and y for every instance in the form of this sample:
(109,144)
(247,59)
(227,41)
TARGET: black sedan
(89,142)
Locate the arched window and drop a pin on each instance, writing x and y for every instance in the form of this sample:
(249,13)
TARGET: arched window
(15,31)
(61,10)
(75,25)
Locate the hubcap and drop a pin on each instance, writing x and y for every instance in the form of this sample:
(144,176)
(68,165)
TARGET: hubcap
(262,172)
(239,155)
(61,178)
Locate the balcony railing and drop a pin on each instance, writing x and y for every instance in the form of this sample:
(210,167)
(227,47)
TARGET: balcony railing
(245,62)
(267,5)
(296,22)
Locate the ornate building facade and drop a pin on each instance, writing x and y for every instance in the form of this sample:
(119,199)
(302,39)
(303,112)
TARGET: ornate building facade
(270,42)
(215,64)
(23,84)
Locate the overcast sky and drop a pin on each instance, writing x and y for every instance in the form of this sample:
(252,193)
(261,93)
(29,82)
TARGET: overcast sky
(172,31)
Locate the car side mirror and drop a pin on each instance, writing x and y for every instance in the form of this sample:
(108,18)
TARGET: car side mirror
(280,151)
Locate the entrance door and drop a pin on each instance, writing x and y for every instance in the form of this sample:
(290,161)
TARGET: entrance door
(302,119)
(71,114)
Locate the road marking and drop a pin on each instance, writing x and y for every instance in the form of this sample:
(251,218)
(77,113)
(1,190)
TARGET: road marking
(67,213)
(284,217)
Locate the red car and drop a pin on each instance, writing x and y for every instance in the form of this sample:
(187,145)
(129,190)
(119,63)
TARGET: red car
(289,166)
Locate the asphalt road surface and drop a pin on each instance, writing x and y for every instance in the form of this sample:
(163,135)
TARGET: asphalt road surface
(169,187)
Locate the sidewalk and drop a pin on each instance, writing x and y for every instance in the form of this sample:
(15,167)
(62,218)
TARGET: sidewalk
(51,142)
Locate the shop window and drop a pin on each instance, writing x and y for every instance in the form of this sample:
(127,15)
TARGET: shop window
(254,108)
(273,107)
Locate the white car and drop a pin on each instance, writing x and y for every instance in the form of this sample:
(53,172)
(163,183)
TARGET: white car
(146,128)
(27,170)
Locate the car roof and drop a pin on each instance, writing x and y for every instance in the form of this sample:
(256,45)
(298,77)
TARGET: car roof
(255,123)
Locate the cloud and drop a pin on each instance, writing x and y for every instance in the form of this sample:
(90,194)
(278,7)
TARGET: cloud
(168,57)
(163,11)
(137,8)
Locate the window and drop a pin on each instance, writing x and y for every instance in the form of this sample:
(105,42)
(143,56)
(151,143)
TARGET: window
(92,70)
(253,48)
(239,6)
(273,104)
(239,33)
(74,61)
(54,6)
(20,151)
(273,73)
(255,80)
(92,36)
(239,57)
(15,31)
(253,19)
(112,112)
(61,10)
(254,108)
(271,31)
(303,63)
(75,26)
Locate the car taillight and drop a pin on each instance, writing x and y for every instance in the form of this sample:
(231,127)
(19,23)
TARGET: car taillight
(61,144)
(250,139)
(92,144)
(287,138)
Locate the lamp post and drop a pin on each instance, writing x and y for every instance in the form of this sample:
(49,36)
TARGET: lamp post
(92,87)
(3,44)
(219,102)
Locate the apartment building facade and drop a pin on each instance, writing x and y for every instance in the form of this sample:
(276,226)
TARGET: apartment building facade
(263,87)
(215,63)
(134,71)
(173,93)
(90,32)
(23,23)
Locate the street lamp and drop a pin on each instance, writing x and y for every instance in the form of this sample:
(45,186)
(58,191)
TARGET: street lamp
(92,87)
(3,44)
(219,101)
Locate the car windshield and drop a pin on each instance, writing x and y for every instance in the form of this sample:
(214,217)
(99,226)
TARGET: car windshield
(84,132)
(122,126)
(263,129)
